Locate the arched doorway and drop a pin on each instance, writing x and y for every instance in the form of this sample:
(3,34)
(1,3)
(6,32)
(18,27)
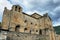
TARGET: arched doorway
(17,28)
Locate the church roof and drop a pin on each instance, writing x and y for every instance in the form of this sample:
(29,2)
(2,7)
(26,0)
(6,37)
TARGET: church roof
(35,14)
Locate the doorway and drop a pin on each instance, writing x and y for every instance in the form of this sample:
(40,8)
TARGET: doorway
(17,28)
(40,32)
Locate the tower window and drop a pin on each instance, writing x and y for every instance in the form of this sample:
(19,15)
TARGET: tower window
(15,8)
(19,10)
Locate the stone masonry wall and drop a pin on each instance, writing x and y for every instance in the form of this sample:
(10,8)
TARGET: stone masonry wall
(26,36)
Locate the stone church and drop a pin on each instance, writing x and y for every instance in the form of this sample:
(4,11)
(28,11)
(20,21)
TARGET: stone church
(32,26)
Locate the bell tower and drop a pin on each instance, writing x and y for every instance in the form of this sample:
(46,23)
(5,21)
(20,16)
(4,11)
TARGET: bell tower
(17,8)
(10,15)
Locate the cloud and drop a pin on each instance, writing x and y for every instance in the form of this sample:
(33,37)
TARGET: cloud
(23,3)
(4,3)
(57,22)
(56,18)
(56,1)
(57,12)
(39,5)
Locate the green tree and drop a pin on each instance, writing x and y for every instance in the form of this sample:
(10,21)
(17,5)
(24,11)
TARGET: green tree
(57,29)
(0,26)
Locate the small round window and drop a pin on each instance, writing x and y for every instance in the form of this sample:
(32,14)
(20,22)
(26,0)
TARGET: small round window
(25,21)
(25,28)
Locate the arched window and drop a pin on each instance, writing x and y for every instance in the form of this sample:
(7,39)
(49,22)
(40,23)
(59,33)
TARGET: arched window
(25,21)
(17,28)
(36,30)
(25,29)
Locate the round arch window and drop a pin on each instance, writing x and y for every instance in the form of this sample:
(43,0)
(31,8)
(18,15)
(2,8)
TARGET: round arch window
(17,27)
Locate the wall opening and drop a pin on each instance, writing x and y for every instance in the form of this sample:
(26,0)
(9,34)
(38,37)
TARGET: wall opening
(15,8)
(19,9)
(17,28)
(40,32)
(25,29)
(25,21)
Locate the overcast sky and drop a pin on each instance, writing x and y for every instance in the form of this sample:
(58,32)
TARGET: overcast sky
(52,7)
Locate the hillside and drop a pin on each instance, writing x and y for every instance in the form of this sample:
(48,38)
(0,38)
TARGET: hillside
(57,29)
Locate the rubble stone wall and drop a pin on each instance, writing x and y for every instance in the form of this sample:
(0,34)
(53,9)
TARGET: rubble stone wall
(25,36)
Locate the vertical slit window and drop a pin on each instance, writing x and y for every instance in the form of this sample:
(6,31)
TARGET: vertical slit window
(19,10)
(40,32)
(15,8)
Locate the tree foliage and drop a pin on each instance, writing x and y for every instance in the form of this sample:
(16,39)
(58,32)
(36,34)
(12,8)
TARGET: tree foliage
(57,29)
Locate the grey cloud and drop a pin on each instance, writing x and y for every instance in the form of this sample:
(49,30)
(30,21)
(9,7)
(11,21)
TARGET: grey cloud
(46,5)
